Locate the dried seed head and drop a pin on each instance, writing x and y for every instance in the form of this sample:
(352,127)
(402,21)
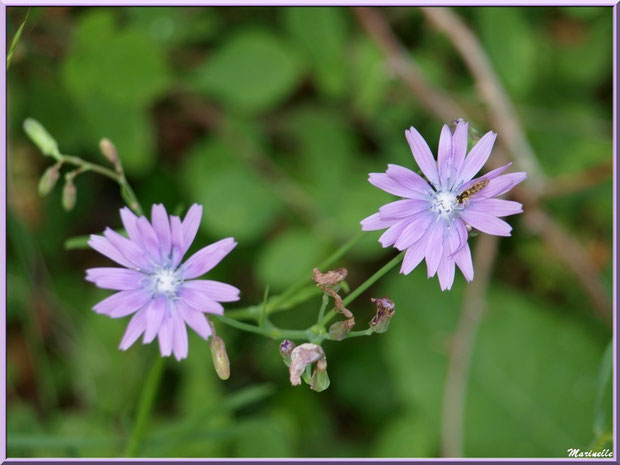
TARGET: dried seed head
(331,278)
(220,357)
(385,311)
(286,347)
(303,355)
(339,330)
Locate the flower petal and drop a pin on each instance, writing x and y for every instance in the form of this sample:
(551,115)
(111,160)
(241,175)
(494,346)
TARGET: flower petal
(375,222)
(490,175)
(106,248)
(166,335)
(200,301)
(129,249)
(190,225)
(434,247)
(459,148)
(155,313)
(445,272)
(176,239)
(135,328)
(445,160)
(389,185)
(130,223)
(409,179)
(123,303)
(215,290)
(150,243)
(194,319)
(393,233)
(423,155)
(119,279)
(403,208)
(496,207)
(477,157)
(502,184)
(206,258)
(161,225)
(414,255)
(464,262)
(180,346)
(486,223)
(414,231)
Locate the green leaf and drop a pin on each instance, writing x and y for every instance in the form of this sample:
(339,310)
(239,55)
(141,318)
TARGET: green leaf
(512,46)
(15,41)
(289,257)
(236,203)
(251,72)
(532,381)
(603,416)
(322,33)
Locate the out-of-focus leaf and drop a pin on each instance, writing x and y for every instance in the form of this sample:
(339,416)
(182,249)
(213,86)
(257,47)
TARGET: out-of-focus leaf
(270,436)
(370,79)
(15,41)
(322,33)
(251,72)
(176,26)
(603,416)
(406,435)
(544,403)
(511,43)
(289,257)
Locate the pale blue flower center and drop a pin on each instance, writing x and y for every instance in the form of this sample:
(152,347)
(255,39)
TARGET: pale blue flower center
(445,204)
(166,281)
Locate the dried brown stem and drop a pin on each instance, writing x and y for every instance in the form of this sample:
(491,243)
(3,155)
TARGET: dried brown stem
(461,348)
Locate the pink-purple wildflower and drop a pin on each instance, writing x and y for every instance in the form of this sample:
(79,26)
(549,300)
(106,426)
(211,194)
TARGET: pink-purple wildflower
(432,220)
(161,293)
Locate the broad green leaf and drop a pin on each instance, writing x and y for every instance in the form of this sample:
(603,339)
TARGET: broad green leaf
(289,257)
(251,72)
(512,46)
(322,33)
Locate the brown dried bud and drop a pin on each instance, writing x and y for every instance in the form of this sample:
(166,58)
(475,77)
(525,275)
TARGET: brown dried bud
(331,278)
(286,347)
(303,355)
(385,311)
(108,150)
(48,179)
(69,194)
(339,330)
(220,357)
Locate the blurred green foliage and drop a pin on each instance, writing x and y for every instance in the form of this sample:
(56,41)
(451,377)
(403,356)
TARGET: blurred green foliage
(202,103)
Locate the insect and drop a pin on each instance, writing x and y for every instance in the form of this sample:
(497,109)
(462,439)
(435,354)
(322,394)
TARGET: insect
(466,194)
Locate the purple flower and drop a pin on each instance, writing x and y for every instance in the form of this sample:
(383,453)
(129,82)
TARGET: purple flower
(162,295)
(432,221)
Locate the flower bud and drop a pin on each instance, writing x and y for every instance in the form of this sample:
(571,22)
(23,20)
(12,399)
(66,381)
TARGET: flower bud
(320,379)
(69,194)
(108,150)
(302,355)
(385,311)
(48,180)
(43,139)
(286,347)
(339,330)
(220,357)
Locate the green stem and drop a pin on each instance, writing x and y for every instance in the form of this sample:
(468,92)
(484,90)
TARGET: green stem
(145,405)
(324,303)
(364,332)
(365,285)
(270,332)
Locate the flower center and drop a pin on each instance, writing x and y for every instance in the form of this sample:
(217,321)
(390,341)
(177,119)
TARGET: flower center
(445,204)
(165,281)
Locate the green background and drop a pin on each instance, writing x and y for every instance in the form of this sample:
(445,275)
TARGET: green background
(219,106)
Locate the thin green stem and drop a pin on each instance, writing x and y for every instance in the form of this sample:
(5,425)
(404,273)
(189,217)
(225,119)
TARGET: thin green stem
(365,285)
(324,302)
(77,161)
(145,405)
(270,332)
(364,332)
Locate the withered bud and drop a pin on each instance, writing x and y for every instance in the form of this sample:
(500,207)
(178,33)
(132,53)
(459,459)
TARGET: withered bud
(331,278)
(303,355)
(48,179)
(320,379)
(339,330)
(385,311)
(286,347)
(220,357)
(69,194)
(109,151)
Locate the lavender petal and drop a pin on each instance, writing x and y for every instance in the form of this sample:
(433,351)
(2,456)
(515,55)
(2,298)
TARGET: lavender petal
(206,258)
(135,328)
(403,208)
(215,290)
(422,155)
(486,223)
(123,303)
(194,319)
(477,157)
(118,279)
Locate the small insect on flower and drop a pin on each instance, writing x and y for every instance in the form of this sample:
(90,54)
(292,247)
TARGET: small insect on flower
(433,218)
(161,293)
(466,194)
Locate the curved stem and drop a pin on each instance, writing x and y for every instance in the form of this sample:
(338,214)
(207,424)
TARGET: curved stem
(365,285)
(270,332)
(145,405)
